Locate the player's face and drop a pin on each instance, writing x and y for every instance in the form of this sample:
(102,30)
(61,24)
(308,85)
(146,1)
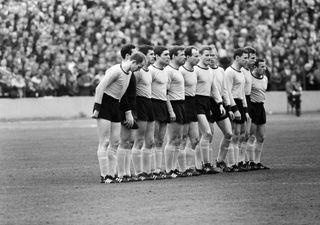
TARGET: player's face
(206,57)
(194,58)
(262,68)
(136,66)
(252,59)
(243,60)
(214,58)
(164,57)
(150,57)
(180,58)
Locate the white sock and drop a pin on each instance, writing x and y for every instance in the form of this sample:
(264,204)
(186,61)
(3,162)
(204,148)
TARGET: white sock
(168,156)
(103,161)
(223,149)
(230,156)
(137,160)
(153,160)
(146,160)
(190,158)
(250,151)
(204,149)
(242,151)
(121,161)
(182,160)
(175,158)
(198,159)
(112,161)
(258,151)
(158,154)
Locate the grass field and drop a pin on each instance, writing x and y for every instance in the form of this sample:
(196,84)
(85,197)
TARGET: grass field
(49,175)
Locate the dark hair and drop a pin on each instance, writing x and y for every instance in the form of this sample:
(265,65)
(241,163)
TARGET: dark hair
(188,50)
(204,48)
(250,50)
(159,49)
(145,48)
(126,49)
(174,51)
(239,52)
(256,63)
(138,57)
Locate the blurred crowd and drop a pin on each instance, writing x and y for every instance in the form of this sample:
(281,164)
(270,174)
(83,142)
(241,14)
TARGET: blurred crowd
(63,47)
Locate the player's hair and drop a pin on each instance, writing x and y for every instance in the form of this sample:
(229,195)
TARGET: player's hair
(159,49)
(188,50)
(256,63)
(145,49)
(174,50)
(250,50)
(204,48)
(239,52)
(138,57)
(126,49)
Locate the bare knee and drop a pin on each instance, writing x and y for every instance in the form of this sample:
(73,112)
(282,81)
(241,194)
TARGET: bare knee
(194,142)
(148,143)
(207,135)
(260,138)
(242,138)
(138,143)
(228,136)
(252,138)
(114,144)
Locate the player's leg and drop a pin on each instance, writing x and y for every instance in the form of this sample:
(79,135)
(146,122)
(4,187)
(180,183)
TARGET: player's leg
(192,143)
(124,152)
(146,148)
(244,143)
(259,145)
(205,139)
(226,128)
(112,148)
(137,146)
(159,135)
(103,134)
(242,148)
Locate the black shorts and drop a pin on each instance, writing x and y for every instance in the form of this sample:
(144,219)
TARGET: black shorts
(178,109)
(203,105)
(144,109)
(258,113)
(241,110)
(190,109)
(160,110)
(215,112)
(248,104)
(110,109)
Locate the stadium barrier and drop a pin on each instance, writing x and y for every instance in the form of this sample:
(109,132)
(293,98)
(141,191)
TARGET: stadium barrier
(81,107)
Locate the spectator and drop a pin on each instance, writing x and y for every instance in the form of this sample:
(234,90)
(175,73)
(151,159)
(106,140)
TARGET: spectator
(294,91)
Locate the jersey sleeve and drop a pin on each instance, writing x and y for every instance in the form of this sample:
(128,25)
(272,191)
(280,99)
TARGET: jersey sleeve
(110,76)
(228,84)
(128,100)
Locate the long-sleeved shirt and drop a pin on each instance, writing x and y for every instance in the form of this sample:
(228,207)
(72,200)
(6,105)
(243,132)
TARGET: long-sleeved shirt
(235,83)
(259,87)
(248,81)
(114,83)
(159,83)
(218,75)
(175,84)
(206,85)
(143,82)
(190,81)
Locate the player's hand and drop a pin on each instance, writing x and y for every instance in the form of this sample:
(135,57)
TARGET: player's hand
(247,116)
(172,116)
(231,115)
(237,115)
(222,110)
(129,119)
(95,114)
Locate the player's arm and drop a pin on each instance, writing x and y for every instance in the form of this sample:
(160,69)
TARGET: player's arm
(229,83)
(169,106)
(109,77)
(216,95)
(226,97)
(128,102)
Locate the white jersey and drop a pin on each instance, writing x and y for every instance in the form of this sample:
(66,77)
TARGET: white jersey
(118,81)
(235,83)
(143,83)
(218,75)
(259,87)
(175,84)
(248,81)
(190,81)
(159,83)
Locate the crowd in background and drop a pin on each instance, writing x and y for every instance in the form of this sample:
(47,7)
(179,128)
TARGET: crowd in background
(63,47)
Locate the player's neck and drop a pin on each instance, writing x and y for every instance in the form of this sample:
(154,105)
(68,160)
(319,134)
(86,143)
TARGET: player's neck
(158,65)
(174,65)
(202,65)
(188,66)
(236,66)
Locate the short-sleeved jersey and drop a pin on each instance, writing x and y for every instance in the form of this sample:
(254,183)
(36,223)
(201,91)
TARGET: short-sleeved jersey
(190,81)
(159,83)
(143,82)
(259,87)
(175,83)
(218,75)
(118,81)
(235,83)
(248,81)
